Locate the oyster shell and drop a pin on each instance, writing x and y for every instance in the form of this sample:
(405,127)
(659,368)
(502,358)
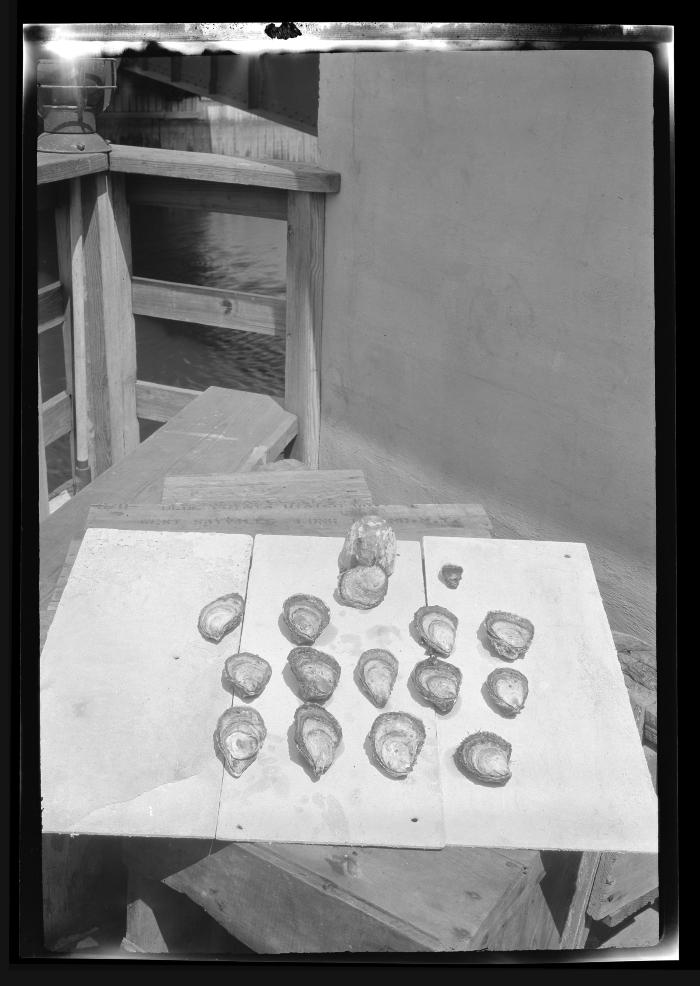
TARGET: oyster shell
(306,617)
(507,689)
(451,575)
(316,672)
(370,541)
(247,674)
(363,587)
(240,734)
(220,617)
(397,738)
(510,635)
(486,757)
(438,682)
(376,672)
(437,628)
(317,735)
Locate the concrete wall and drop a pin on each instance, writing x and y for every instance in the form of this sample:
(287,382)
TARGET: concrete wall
(488,306)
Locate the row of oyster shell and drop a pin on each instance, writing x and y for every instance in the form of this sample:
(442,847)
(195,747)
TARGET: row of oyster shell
(396,739)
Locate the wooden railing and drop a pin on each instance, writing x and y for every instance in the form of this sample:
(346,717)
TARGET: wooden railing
(96,296)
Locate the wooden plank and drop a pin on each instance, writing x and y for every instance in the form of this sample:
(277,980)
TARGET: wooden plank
(298,489)
(622,879)
(302,394)
(575,930)
(326,898)
(61,167)
(57,414)
(159,402)
(239,310)
(51,306)
(198,166)
(642,932)
(214,433)
(43,482)
(63,254)
(179,193)
(460,519)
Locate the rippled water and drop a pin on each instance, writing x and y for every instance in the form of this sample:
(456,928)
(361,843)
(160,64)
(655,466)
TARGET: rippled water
(209,249)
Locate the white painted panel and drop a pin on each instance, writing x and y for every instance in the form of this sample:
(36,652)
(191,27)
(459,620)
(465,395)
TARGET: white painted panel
(580,779)
(130,691)
(277,799)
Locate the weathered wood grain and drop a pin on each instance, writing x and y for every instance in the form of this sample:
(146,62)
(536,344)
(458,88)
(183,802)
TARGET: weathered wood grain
(63,256)
(238,310)
(179,193)
(197,166)
(622,879)
(302,382)
(51,306)
(159,402)
(575,930)
(215,432)
(61,167)
(57,416)
(298,489)
(78,290)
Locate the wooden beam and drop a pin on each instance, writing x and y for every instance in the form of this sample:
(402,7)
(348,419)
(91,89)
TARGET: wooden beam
(178,193)
(63,254)
(199,166)
(158,402)
(575,931)
(44,511)
(51,306)
(224,309)
(61,167)
(110,334)
(78,302)
(305,240)
(57,416)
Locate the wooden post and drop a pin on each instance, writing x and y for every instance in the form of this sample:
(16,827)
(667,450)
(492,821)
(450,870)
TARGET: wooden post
(305,238)
(78,289)
(574,934)
(110,341)
(64,256)
(43,482)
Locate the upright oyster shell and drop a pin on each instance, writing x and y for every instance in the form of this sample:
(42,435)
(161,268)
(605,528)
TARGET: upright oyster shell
(486,757)
(507,689)
(370,541)
(247,674)
(363,587)
(306,617)
(316,672)
(396,739)
(317,735)
(376,672)
(438,682)
(451,575)
(220,617)
(240,734)
(437,628)
(510,635)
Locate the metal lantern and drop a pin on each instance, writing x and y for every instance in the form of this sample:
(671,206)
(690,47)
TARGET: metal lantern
(70,95)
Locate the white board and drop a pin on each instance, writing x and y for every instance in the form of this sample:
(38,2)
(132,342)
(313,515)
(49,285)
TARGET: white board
(579,776)
(130,691)
(277,799)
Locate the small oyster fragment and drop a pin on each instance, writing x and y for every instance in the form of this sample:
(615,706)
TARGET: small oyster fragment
(316,672)
(438,682)
(507,689)
(240,734)
(247,674)
(317,735)
(437,628)
(363,587)
(510,635)
(486,757)
(370,541)
(376,671)
(397,738)
(451,575)
(220,617)
(306,617)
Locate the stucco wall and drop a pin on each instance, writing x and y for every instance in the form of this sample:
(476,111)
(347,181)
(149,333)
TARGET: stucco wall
(488,305)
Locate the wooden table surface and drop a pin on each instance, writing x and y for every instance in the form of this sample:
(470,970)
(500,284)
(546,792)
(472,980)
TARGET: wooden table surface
(296,898)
